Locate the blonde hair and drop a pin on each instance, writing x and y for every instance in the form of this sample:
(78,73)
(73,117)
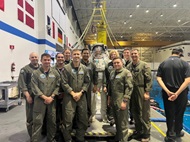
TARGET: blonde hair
(113,51)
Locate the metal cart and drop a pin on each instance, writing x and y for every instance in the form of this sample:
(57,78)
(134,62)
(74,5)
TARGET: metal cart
(6,88)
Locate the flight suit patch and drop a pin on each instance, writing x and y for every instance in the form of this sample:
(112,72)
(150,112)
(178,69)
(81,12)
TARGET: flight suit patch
(22,71)
(118,76)
(74,71)
(110,68)
(42,76)
(81,72)
(51,75)
(129,74)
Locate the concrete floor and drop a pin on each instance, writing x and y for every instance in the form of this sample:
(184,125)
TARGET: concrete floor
(13,128)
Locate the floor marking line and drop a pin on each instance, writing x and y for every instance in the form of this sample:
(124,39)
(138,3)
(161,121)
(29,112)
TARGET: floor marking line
(158,129)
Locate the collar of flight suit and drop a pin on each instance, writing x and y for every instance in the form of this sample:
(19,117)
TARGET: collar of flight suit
(72,67)
(33,67)
(85,63)
(136,63)
(119,71)
(42,70)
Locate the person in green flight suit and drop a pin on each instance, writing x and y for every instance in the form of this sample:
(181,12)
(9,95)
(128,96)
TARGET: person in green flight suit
(45,85)
(60,62)
(75,81)
(120,88)
(24,84)
(140,98)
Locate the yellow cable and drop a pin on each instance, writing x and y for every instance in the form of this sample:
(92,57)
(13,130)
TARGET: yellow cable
(158,129)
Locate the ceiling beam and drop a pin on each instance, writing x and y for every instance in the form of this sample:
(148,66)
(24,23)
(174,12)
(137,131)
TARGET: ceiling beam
(135,43)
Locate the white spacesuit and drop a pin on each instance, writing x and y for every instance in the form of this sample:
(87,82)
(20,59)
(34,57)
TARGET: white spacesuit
(100,59)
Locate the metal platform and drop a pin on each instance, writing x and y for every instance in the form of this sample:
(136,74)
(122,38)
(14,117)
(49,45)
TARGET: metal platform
(7,88)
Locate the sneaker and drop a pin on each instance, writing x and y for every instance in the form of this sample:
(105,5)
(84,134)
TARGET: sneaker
(181,134)
(169,139)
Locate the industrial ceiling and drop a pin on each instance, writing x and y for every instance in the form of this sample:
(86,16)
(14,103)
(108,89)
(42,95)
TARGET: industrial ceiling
(139,20)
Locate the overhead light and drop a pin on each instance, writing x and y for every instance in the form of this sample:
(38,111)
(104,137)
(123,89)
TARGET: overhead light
(147,11)
(175,5)
(178,20)
(156,32)
(130,15)
(138,6)
(130,27)
(161,15)
(121,36)
(124,22)
(100,6)
(95,34)
(150,22)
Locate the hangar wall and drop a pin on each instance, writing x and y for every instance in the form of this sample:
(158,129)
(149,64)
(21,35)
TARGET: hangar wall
(23,26)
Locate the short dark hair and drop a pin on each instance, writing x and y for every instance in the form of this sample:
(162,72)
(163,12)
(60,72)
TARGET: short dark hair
(58,54)
(85,49)
(126,48)
(177,50)
(117,58)
(45,55)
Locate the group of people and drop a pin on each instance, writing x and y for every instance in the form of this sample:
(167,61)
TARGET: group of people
(61,98)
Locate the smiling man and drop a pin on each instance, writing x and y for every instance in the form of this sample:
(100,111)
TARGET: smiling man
(45,85)
(75,82)
(24,83)
(120,91)
(140,98)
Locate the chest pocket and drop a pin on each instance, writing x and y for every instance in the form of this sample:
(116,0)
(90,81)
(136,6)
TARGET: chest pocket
(117,83)
(80,74)
(51,78)
(136,71)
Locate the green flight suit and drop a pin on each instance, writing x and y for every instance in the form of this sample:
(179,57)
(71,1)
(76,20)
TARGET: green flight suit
(44,84)
(75,79)
(142,82)
(24,84)
(59,100)
(121,88)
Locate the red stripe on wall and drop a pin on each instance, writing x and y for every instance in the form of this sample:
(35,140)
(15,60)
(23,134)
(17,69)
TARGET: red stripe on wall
(29,8)
(20,2)
(2,5)
(29,21)
(53,29)
(20,15)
